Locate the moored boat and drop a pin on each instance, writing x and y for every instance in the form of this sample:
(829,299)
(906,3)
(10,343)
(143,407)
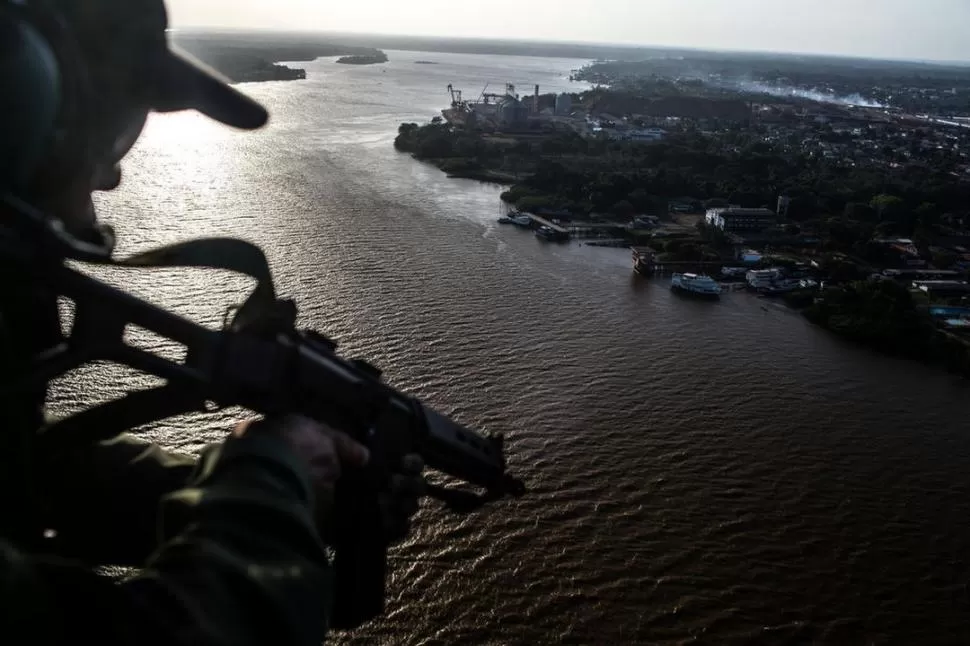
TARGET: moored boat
(696,285)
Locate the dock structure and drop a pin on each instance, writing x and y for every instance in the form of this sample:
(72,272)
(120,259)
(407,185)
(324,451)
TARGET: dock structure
(644,260)
(579,229)
(541,221)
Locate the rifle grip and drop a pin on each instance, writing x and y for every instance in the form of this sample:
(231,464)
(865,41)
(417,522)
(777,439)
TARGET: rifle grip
(360,560)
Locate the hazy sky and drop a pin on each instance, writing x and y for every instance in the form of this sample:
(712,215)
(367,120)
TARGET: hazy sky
(920,29)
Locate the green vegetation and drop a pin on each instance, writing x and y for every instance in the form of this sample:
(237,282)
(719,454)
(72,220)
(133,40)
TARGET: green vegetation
(364,59)
(680,250)
(845,205)
(461,153)
(883,315)
(913,87)
(246,57)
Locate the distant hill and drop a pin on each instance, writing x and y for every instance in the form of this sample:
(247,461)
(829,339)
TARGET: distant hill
(245,56)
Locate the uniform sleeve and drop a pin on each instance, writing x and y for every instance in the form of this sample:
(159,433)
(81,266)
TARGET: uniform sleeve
(240,563)
(102,499)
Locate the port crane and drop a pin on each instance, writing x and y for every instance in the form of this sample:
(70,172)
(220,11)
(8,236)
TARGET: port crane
(509,92)
(456,101)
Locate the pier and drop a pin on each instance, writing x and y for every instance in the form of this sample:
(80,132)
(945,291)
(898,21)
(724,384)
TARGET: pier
(579,230)
(541,221)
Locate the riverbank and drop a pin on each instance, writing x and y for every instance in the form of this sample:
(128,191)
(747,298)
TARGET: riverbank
(884,315)
(637,190)
(458,153)
(246,58)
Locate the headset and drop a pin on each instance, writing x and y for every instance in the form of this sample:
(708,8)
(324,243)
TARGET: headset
(59,119)
(45,98)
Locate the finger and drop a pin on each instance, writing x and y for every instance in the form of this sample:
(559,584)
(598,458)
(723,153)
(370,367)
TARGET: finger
(244,426)
(325,468)
(349,451)
(412,463)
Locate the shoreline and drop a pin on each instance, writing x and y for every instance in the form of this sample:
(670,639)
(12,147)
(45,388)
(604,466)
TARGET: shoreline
(243,59)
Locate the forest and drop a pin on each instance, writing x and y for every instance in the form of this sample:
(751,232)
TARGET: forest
(585,175)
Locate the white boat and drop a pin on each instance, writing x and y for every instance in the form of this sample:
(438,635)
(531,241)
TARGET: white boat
(521,220)
(759,279)
(696,284)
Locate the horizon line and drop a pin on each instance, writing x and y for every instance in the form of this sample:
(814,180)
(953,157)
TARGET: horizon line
(623,45)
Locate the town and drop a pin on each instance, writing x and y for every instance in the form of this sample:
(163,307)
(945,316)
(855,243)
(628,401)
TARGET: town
(853,209)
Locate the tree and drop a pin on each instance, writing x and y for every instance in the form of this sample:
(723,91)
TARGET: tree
(640,199)
(888,207)
(860,212)
(887,229)
(843,271)
(927,215)
(624,209)
(534,203)
(802,207)
(945,259)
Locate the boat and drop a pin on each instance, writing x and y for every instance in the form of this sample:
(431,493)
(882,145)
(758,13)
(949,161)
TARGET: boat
(733,272)
(696,285)
(761,279)
(518,218)
(644,261)
(523,221)
(552,235)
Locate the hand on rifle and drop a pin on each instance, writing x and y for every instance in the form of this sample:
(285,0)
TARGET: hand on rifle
(328,451)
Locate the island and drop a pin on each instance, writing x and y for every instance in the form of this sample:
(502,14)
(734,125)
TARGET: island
(364,59)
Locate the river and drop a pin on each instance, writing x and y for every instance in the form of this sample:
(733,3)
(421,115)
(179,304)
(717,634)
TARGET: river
(699,472)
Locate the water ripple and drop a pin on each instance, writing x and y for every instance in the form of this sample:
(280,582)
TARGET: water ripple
(699,473)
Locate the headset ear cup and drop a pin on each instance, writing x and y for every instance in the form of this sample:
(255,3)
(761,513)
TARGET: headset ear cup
(30,100)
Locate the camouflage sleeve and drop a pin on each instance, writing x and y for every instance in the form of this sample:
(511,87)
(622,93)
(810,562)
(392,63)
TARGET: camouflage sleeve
(240,563)
(102,499)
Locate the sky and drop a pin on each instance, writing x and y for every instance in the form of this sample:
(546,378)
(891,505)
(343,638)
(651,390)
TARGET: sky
(909,29)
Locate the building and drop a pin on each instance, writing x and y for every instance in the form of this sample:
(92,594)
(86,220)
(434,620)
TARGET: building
(750,256)
(646,134)
(739,220)
(564,105)
(905,251)
(512,112)
(636,135)
(943,288)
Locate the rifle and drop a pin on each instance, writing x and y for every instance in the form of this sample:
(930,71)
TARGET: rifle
(258,360)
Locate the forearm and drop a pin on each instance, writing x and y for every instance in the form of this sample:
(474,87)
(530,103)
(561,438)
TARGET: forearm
(102,499)
(240,563)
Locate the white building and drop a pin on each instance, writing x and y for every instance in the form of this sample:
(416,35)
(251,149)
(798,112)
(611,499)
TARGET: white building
(738,219)
(761,278)
(646,134)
